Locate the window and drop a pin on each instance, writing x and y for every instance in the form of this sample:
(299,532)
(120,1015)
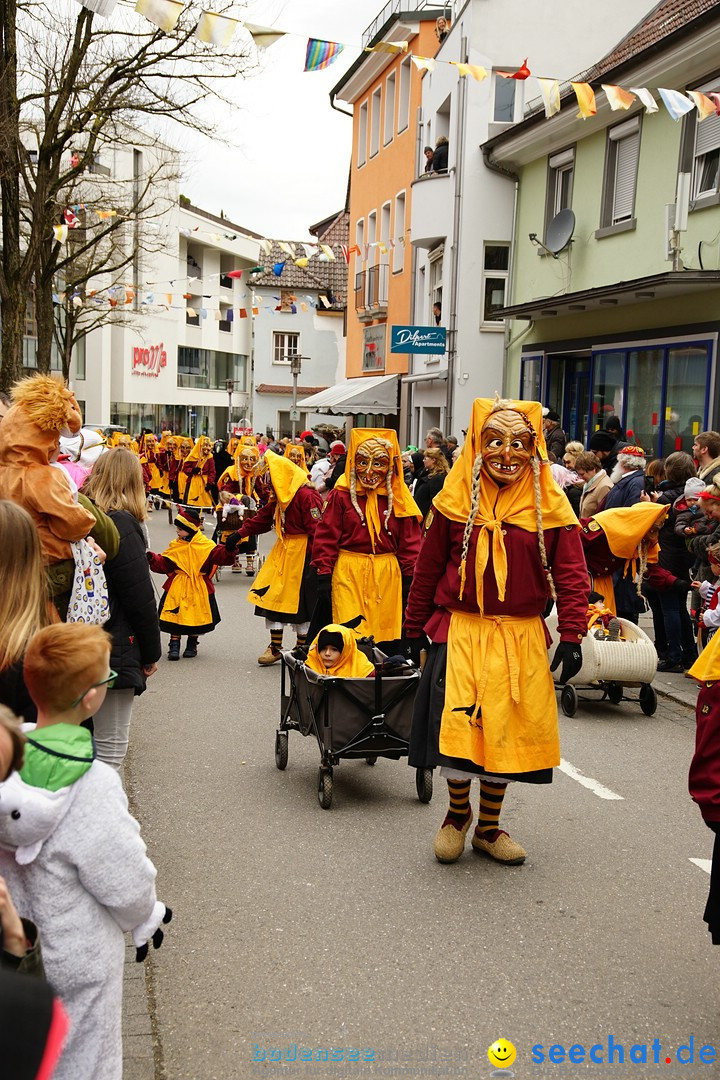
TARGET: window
(399,249)
(561,169)
(389,125)
(404,98)
(226,320)
(621,166)
(285,346)
(435,282)
(372,235)
(496,260)
(208,369)
(385,234)
(504,107)
(362,134)
(375,122)
(608,387)
(706,159)
(530,375)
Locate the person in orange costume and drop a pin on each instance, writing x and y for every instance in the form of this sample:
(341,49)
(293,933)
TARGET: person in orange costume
(368,540)
(501,539)
(197,475)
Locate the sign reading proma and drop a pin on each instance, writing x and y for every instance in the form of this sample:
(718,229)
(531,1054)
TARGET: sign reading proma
(418,339)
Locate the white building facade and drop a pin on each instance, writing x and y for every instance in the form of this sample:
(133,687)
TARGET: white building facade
(462,220)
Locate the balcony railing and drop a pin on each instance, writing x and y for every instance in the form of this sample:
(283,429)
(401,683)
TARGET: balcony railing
(398,7)
(371,288)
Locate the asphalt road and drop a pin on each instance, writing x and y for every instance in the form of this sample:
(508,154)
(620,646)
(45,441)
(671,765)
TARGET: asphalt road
(338,930)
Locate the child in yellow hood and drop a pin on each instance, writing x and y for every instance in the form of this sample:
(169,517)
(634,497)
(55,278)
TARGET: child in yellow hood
(188,605)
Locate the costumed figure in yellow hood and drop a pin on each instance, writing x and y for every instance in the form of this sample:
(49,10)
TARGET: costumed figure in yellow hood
(500,541)
(368,540)
(197,475)
(285,588)
(188,604)
(168,457)
(621,551)
(296,454)
(150,461)
(334,652)
(241,485)
(43,409)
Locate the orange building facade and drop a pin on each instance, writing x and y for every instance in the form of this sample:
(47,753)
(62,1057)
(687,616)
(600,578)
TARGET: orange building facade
(385,92)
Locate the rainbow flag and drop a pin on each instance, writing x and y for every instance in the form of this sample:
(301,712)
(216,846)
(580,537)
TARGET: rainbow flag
(320,54)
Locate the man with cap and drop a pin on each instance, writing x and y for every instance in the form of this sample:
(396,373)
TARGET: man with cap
(605,446)
(628,476)
(338,456)
(555,439)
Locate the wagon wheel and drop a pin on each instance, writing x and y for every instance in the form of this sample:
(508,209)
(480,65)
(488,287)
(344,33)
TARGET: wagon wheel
(281,749)
(371,759)
(569,700)
(424,784)
(615,692)
(325,788)
(648,699)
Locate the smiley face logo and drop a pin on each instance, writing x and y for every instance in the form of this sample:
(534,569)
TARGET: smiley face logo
(501,1054)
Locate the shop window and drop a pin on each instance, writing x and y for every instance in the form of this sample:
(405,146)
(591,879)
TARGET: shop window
(644,399)
(608,387)
(496,261)
(621,165)
(530,376)
(285,346)
(688,369)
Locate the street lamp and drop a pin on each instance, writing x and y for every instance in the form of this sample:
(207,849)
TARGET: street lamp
(295,369)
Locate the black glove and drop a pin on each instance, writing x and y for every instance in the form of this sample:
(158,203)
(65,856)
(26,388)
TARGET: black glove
(569,653)
(413,646)
(157,938)
(681,586)
(196,472)
(232,541)
(324,586)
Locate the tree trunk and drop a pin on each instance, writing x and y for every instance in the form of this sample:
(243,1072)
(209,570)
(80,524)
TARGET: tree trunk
(12,314)
(12,308)
(45,316)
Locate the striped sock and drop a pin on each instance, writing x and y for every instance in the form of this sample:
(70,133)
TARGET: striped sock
(491,800)
(276,637)
(301,639)
(459,792)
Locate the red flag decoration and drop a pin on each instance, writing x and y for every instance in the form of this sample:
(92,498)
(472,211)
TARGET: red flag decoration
(242,313)
(234,274)
(70,218)
(522,73)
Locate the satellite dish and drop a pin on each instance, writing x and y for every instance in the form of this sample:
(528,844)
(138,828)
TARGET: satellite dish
(559,231)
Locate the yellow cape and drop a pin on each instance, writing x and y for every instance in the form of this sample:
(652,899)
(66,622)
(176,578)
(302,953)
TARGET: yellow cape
(352,663)
(707,666)
(625,526)
(509,504)
(403,503)
(187,601)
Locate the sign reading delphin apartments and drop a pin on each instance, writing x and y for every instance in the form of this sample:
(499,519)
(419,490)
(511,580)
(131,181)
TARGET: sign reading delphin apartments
(418,339)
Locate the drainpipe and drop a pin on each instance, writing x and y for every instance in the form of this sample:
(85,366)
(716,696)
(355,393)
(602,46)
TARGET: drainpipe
(337,107)
(496,168)
(454,259)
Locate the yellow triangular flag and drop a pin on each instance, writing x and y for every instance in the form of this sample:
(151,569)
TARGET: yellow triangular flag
(705,105)
(550,90)
(302,263)
(586,99)
(286,248)
(215,29)
(424,63)
(163,13)
(617,97)
(327,250)
(391,47)
(263,36)
(60,233)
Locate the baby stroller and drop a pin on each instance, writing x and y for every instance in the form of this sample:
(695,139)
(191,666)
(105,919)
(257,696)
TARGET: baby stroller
(350,718)
(612,667)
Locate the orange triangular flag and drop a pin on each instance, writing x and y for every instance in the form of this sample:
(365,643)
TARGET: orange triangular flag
(705,105)
(522,73)
(617,97)
(586,99)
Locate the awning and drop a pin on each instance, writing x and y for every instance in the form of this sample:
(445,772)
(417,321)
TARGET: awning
(372,394)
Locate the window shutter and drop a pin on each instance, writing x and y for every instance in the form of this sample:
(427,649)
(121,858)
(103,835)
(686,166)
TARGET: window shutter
(626,163)
(708,135)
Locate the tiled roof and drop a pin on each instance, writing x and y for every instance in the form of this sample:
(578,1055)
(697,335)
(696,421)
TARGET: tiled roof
(665,19)
(317,276)
(275,388)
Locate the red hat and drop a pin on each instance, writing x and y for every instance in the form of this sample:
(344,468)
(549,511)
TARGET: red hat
(188,518)
(306,434)
(631,451)
(337,447)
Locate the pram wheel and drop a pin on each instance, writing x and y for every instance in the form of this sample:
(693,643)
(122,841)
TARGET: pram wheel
(424,784)
(648,699)
(325,788)
(281,749)
(614,692)
(371,759)
(569,700)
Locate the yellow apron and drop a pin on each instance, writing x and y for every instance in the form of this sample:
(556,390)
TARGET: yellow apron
(155,476)
(500,709)
(195,493)
(371,586)
(187,601)
(277,586)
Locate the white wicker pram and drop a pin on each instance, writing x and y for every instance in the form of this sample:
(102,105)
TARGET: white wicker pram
(610,667)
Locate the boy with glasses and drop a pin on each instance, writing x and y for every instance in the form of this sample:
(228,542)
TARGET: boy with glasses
(70,851)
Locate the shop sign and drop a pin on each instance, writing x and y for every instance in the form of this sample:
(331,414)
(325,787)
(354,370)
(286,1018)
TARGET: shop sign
(418,339)
(148,361)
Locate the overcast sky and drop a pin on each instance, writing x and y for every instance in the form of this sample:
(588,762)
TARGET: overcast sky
(290,167)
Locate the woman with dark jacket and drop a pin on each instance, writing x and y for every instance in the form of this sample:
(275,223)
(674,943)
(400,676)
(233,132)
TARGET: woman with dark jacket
(116,486)
(431,480)
(681,650)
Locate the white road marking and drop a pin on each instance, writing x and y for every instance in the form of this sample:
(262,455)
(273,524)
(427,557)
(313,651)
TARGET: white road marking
(587,781)
(704,864)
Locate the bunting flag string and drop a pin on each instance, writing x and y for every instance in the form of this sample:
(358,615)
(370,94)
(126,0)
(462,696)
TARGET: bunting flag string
(320,54)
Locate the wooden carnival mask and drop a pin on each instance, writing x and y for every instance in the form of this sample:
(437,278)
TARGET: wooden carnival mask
(185,447)
(372,464)
(296,454)
(507,444)
(247,459)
